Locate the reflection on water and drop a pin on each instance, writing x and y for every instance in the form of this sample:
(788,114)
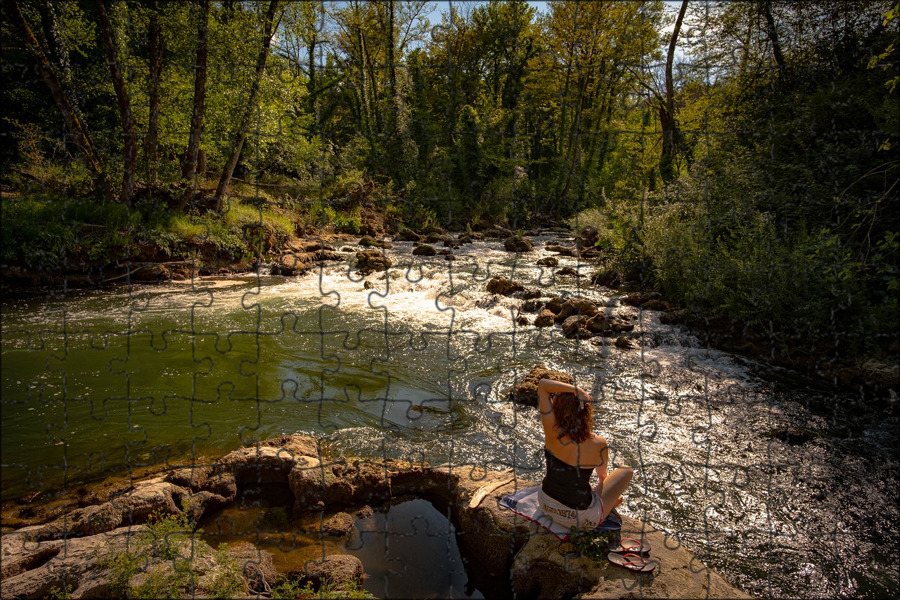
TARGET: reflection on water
(418,368)
(410,551)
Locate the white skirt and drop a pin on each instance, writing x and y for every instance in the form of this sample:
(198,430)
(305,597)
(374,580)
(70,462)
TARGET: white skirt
(568,517)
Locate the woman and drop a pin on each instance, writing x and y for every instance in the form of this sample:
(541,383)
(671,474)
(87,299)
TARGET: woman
(572,454)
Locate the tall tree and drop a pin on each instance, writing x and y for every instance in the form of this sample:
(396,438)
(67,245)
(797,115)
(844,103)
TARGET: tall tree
(667,120)
(63,99)
(151,141)
(123,99)
(243,127)
(189,166)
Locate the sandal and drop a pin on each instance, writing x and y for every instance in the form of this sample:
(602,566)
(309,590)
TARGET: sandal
(632,562)
(631,546)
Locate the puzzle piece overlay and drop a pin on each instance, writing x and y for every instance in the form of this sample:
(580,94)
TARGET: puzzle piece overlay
(334,403)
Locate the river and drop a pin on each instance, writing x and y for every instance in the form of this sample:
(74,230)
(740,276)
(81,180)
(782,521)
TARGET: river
(418,368)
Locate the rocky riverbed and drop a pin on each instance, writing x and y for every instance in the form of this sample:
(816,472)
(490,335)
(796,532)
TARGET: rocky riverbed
(79,550)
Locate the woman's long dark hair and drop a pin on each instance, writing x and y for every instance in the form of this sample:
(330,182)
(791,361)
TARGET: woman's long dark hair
(573,418)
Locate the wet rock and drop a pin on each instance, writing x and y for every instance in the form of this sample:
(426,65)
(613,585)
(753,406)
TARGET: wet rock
(464,239)
(561,250)
(625,343)
(554,305)
(369,261)
(341,570)
(587,238)
(531,294)
(526,392)
(338,524)
(424,250)
(548,261)
(532,306)
(504,286)
(522,321)
(517,244)
(437,237)
(149,273)
(576,327)
(640,298)
(569,271)
(408,235)
(368,242)
(545,319)
(576,306)
(368,285)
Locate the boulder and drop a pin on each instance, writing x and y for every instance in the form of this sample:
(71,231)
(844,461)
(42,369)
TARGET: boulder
(369,242)
(576,306)
(257,566)
(532,306)
(424,250)
(544,568)
(148,273)
(561,250)
(569,271)
(368,261)
(545,319)
(625,343)
(408,235)
(504,286)
(554,305)
(548,261)
(576,327)
(517,244)
(340,570)
(526,392)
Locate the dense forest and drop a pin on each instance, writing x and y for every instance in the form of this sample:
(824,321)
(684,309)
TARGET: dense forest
(741,157)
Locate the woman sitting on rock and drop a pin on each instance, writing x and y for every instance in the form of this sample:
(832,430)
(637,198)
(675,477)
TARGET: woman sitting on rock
(572,454)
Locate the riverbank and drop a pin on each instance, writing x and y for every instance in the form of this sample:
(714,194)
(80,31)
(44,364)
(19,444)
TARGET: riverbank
(297,473)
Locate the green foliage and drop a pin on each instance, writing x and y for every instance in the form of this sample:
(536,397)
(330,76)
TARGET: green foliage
(290,588)
(594,545)
(122,567)
(165,582)
(228,583)
(61,593)
(34,234)
(165,532)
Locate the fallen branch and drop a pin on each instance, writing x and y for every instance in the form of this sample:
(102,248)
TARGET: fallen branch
(487,489)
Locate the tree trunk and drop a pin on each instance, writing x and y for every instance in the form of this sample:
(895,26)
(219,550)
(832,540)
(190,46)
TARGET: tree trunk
(667,113)
(241,135)
(189,166)
(118,81)
(773,34)
(151,142)
(74,123)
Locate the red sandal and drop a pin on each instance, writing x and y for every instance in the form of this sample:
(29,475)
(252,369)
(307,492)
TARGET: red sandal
(631,546)
(632,562)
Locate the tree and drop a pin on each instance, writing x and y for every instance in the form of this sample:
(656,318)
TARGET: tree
(151,142)
(667,118)
(189,166)
(129,166)
(269,25)
(63,99)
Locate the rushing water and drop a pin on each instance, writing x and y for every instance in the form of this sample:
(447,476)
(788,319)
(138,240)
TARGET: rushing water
(418,368)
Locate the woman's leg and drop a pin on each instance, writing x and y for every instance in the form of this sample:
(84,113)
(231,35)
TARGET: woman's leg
(612,488)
